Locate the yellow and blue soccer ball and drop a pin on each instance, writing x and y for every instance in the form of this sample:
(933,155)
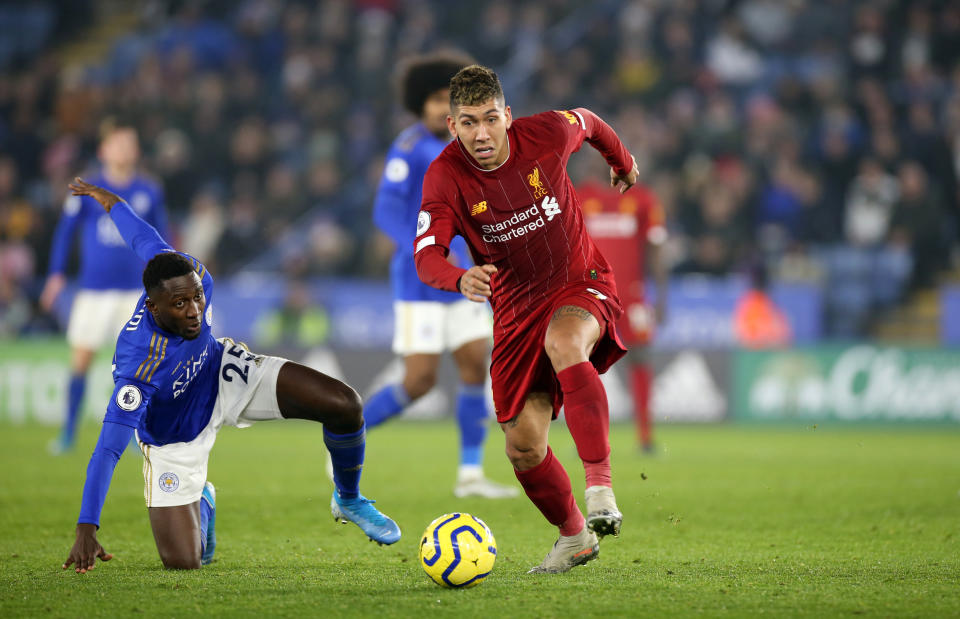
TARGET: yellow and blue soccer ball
(457,550)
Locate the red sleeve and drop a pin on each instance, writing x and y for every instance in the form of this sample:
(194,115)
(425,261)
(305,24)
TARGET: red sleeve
(604,139)
(436,225)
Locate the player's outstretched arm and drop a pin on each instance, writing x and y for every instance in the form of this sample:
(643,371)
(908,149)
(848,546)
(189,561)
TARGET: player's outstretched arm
(114,438)
(86,550)
(107,199)
(138,234)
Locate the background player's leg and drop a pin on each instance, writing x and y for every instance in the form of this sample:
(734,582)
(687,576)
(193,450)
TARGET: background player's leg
(177,532)
(471,360)
(641,377)
(471,413)
(419,377)
(80,360)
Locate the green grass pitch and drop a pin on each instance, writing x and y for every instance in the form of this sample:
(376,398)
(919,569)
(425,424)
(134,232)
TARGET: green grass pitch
(724,521)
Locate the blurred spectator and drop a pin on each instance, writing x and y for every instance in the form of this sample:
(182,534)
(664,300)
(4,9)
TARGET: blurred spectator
(757,321)
(870,204)
(918,224)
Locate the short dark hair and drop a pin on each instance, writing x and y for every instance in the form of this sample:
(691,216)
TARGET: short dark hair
(473,85)
(112,124)
(422,76)
(162,267)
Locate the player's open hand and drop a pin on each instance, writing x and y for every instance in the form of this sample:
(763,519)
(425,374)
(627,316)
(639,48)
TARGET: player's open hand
(475,282)
(627,180)
(80,187)
(86,550)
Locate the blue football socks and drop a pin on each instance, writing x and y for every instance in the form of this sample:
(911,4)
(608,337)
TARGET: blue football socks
(346,453)
(471,418)
(384,404)
(77,386)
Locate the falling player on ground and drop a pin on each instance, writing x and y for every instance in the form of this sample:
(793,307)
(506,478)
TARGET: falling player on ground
(503,185)
(176,386)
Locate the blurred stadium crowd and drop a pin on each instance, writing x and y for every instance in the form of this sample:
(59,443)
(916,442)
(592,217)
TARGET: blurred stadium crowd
(818,137)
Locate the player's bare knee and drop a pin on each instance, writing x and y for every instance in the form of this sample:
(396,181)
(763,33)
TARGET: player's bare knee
(525,457)
(565,350)
(349,406)
(418,385)
(175,561)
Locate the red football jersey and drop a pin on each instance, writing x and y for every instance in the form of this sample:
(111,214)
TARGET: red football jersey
(621,225)
(524,216)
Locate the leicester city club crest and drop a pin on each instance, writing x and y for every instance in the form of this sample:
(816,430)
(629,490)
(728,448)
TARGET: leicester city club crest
(169,482)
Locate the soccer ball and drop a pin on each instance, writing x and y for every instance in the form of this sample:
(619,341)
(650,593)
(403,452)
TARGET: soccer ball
(457,550)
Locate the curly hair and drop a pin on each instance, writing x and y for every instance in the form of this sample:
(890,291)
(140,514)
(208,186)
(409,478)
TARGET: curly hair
(162,267)
(424,75)
(473,85)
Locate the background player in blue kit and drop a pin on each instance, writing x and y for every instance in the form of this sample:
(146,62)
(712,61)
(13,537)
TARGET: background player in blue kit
(428,321)
(176,386)
(109,277)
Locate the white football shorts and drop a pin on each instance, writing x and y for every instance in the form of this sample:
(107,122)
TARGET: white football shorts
(174,474)
(98,315)
(429,327)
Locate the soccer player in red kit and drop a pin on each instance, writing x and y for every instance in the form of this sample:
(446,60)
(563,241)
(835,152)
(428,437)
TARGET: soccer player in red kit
(502,185)
(629,231)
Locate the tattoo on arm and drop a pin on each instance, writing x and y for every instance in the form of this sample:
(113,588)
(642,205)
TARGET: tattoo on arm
(571,310)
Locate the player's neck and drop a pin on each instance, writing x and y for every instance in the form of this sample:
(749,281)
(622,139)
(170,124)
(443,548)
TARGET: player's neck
(119,177)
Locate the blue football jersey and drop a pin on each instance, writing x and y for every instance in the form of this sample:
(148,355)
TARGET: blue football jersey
(397,205)
(106,262)
(165,386)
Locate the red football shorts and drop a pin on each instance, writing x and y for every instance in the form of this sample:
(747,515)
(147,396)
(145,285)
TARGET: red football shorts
(520,365)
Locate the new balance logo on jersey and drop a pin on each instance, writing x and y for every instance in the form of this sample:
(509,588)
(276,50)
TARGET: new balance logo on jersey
(550,207)
(478,208)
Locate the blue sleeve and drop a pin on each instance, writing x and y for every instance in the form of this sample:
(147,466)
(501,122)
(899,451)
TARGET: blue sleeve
(113,440)
(63,235)
(391,209)
(138,234)
(389,213)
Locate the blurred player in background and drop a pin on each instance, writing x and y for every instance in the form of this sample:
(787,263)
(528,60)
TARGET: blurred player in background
(629,231)
(430,321)
(176,386)
(109,277)
(503,185)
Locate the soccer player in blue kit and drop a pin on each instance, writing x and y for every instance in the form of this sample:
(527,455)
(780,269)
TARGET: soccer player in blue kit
(429,321)
(109,275)
(176,386)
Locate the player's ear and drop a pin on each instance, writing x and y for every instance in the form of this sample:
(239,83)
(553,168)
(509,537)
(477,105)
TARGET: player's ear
(151,305)
(508,115)
(451,126)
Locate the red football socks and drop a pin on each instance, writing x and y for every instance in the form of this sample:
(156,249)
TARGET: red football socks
(588,418)
(640,379)
(548,486)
